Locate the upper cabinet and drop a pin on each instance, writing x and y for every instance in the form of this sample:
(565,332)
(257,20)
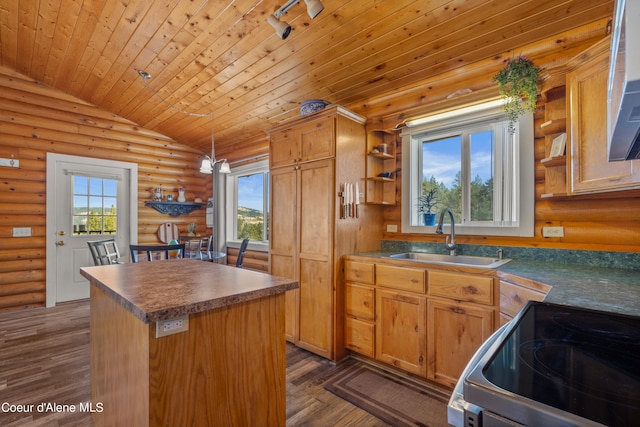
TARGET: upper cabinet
(303,142)
(589,168)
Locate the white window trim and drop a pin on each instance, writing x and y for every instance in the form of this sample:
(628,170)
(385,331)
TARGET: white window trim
(232,203)
(525,181)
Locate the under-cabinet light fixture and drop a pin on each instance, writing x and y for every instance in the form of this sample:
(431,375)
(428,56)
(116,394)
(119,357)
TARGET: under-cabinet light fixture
(283,29)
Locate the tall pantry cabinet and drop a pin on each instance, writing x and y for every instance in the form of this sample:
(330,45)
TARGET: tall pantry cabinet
(311,158)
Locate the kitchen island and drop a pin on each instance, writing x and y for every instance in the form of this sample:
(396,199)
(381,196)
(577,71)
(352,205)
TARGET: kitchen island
(221,361)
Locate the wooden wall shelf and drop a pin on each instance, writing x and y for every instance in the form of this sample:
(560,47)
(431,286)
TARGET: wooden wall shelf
(554,161)
(174,208)
(554,126)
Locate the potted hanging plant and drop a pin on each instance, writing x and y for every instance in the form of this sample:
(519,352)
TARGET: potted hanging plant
(426,203)
(518,86)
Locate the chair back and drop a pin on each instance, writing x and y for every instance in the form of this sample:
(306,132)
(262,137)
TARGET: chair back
(168,232)
(198,247)
(104,252)
(161,252)
(241,252)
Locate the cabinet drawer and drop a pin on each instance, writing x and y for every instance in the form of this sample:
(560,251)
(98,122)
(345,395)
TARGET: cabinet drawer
(359,336)
(461,287)
(361,272)
(359,301)
(403,278)
(514,297)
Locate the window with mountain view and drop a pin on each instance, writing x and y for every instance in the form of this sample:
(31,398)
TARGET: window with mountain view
(248,189)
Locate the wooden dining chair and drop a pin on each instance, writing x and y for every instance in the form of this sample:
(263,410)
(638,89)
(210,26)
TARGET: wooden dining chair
(104,252)
(162,252)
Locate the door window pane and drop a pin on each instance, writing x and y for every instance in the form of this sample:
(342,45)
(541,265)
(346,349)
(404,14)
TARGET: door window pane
(94,205)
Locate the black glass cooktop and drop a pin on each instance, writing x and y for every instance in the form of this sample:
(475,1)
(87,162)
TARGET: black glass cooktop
(579,361)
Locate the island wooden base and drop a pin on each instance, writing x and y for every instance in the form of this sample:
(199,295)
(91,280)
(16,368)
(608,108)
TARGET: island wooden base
(227,369)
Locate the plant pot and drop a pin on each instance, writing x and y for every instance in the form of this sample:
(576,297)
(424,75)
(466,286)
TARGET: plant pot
(429,218)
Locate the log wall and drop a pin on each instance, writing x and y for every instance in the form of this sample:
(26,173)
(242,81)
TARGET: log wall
(36,120)
(606,222)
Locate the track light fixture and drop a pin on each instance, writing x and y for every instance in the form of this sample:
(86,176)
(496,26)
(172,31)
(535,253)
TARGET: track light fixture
(283,29)
(314,7)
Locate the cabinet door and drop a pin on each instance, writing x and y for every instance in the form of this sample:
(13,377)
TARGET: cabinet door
(283,240)
(401,330)
(456,331)
(591,171)
(317,139)
(284,149)
(316,198)
(359,301)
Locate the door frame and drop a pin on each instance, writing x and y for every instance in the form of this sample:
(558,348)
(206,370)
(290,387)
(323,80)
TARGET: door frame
(52,237)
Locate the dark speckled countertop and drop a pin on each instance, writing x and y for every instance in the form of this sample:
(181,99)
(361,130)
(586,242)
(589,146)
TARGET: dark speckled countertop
(162,290)
(598,288)
(595,287)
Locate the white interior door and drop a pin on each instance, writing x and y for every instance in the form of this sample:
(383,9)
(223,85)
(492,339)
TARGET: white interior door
(90,199)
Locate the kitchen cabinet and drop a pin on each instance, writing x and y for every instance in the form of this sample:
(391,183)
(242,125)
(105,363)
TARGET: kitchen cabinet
(514,294)
(359,308)
(455,331)
(591,172)
(302,143)
(401,317)
(428,321)
(401,330)
(460,316)
(310,159)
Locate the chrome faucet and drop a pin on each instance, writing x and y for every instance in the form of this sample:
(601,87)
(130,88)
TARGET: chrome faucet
(450,245)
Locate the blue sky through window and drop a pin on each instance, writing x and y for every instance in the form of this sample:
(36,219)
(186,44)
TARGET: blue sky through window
(442,158)
(251,191)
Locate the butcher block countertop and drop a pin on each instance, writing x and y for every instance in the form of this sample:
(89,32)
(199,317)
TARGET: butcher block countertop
(162,290)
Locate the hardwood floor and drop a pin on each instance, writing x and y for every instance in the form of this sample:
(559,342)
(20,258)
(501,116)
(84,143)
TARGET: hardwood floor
(44,359)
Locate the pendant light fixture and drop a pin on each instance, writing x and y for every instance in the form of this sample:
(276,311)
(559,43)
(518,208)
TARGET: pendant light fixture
(208,163)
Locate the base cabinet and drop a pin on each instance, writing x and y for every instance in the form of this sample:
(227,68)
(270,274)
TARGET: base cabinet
(401,330)
(425,321)
(455,331)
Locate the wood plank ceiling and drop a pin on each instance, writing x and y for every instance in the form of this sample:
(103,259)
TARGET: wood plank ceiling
(222,57)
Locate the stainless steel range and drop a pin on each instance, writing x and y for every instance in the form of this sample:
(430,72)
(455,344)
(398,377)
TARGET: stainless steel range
(554,365)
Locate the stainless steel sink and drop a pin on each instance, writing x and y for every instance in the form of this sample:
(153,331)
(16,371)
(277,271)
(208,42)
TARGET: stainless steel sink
(473,261)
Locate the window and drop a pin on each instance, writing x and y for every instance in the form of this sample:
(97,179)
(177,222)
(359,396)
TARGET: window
(476,168)
(248,202)
(94,205)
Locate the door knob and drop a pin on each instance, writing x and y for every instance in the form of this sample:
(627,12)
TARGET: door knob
(61,233)
(60,243)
